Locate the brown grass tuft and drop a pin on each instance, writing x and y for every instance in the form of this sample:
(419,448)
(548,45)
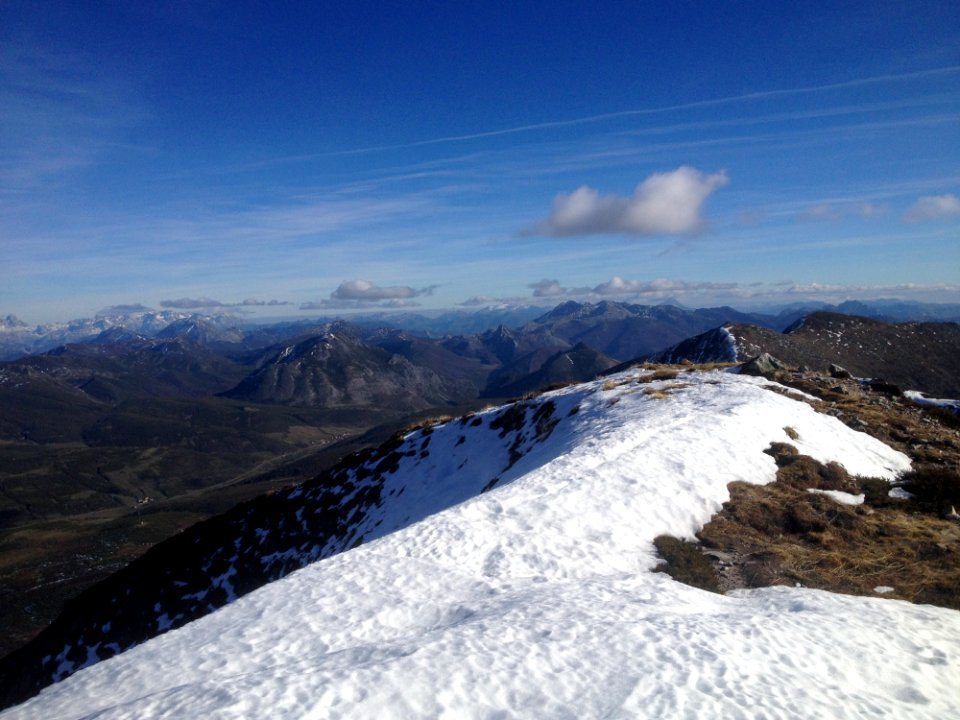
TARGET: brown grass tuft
(683,561)
(659,374)
(656,393)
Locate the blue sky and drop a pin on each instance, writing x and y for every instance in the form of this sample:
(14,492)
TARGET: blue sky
(304,158)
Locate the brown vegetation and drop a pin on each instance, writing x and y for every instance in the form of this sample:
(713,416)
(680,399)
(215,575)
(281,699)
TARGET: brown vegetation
(781,534)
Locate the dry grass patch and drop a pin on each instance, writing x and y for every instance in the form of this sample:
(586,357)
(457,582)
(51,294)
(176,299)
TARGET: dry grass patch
(780,534)
(777,535)
(659,374)
(664,391)
(656,393)
(683,561)
(707,367)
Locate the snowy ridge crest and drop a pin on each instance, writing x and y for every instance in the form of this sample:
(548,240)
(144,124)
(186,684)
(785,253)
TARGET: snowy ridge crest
(718,345)
(500,552)
(368,495)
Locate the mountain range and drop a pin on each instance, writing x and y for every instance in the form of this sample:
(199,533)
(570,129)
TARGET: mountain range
(114,444)
(18,338)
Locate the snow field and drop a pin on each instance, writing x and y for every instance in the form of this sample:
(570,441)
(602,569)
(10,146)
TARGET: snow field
(537,599)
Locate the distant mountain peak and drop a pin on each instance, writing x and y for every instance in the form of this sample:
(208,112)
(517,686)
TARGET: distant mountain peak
(11,322)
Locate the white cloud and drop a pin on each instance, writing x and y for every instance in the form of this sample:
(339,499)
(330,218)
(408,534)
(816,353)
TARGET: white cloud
(657,288)
(933,207)
(499,303)
(363,294)
(262,303)
(664,203)
(365,290)
(547,288)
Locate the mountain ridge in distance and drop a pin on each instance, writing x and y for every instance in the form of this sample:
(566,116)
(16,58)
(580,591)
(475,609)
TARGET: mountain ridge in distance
(18,338)
(915,356)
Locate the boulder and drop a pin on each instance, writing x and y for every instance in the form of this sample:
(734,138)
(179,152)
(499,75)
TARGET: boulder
(763,364)
(839,372)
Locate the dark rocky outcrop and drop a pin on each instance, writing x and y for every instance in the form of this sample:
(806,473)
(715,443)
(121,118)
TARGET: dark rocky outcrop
(764,365)
(914,356)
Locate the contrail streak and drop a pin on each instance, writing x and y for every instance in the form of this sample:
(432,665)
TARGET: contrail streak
(652,111)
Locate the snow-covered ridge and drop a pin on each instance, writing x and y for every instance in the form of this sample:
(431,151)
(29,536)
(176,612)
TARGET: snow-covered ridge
(506,568)
(18,339)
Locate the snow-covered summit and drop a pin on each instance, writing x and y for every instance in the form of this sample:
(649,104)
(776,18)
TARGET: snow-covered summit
(11,323)
(506,571)
(18,339)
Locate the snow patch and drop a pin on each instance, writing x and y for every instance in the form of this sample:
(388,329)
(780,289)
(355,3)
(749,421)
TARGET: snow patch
(921,399)
(898,493)
(731,344)
(844,498)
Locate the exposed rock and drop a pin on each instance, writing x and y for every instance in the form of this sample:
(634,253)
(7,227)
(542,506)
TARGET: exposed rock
(887,388)
(838,371)
(764,364)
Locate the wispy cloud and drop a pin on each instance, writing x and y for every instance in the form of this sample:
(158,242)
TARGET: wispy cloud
(657,288)
(697,104)
(294,218)
(204,303)
(699,293)
(125,309)
(59,111)
(366,290)
(618,286)
(358,304)
(835,212)
(933,207)
(664,203)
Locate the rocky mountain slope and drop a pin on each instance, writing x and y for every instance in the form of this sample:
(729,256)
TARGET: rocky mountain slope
(624,331)
(135,367)
(915,356)
(336,369)
(578,364)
